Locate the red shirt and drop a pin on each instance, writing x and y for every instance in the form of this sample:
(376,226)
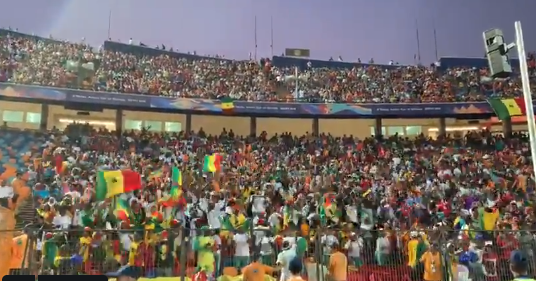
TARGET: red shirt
(506,249)
(489,261)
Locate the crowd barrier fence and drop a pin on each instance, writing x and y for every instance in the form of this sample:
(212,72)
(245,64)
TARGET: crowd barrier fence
(382,255)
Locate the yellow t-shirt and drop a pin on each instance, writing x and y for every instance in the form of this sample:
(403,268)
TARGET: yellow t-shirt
(237,221)
(432,266)
(490,219)
(412,252)
(85,243)
(133,252)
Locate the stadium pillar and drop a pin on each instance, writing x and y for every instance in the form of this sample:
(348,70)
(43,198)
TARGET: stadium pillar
(442,126)
(188,126)
(507,127)
(315,126)
(44,117)
(253,126)
(119,121)
(378,127)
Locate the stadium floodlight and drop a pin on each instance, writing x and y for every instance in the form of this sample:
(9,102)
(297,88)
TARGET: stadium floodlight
(499,65)
(497,53)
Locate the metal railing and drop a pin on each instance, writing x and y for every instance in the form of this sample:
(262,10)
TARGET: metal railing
(385,255)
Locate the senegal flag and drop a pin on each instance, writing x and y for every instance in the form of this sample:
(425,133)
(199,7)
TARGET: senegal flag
(122,209)
(211,163)
(176,184)
(110,183)
(327,207)
(506,108)
(287,213)
(227,105)
(175,194)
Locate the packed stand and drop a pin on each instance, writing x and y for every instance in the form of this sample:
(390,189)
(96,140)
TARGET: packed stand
(127,68)
(34,60)
(392,207)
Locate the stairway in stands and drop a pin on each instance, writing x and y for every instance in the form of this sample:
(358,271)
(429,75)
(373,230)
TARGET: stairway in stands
(18,149)
(26,213)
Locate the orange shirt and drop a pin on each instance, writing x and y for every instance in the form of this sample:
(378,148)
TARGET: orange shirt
(255,271)
(338,265)
(432,266)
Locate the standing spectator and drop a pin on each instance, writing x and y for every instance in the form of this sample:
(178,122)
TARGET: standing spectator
(433,267)
(284,258)
(383,248)
(354,246)
(338,265)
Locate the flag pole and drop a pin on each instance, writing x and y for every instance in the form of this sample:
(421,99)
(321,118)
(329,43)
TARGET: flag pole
(418,42)
(109,24)
(525,82)
(272,35)
(255,38)
(435,43)
(296,93)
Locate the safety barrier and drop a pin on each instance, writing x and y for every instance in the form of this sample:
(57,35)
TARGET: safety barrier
(371,255)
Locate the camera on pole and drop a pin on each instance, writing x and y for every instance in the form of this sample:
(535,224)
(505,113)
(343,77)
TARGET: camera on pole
(497,53)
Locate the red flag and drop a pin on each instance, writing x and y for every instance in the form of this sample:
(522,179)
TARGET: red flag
(217,161)
(59,163)
(328,199)
(382,152)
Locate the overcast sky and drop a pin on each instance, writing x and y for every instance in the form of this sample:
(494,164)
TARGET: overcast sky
(382,29)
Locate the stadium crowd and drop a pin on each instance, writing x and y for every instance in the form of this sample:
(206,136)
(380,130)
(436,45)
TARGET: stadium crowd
(418,209)
(117,67)
(383,202)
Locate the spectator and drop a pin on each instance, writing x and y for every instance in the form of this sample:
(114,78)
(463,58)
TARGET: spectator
(141,70)
(408,200)
(338,264)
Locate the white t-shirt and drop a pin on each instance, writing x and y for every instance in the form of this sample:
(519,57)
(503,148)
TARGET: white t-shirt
(383,245)
(213,218)
(217,241)
(328,241)
(63,222)
(351,212)
(242,245)
(6,192)
(354,247)
(266,245)
(203,204)
(273,220)
(193,231)
(125,241)
(284,258)
(258,204)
